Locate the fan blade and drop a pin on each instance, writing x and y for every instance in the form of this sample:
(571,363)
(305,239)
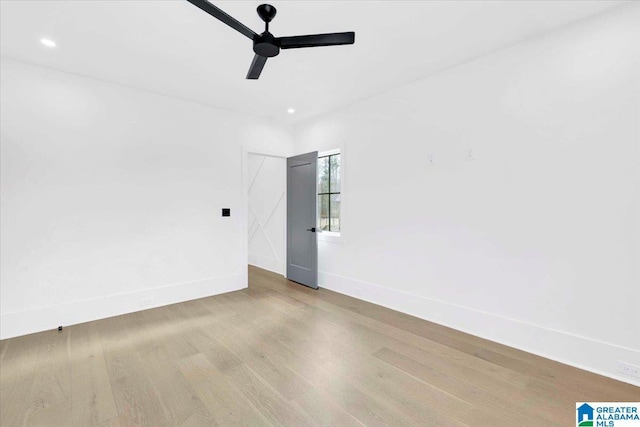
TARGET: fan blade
(222,16)
(314,40)
(256,67)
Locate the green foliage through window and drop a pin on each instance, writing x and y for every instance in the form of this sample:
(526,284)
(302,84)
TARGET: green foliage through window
(329,192)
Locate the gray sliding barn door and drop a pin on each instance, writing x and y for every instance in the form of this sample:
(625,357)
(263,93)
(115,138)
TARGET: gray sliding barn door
(302,242)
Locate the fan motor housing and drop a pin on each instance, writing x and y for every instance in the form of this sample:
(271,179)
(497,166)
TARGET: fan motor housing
(266,45)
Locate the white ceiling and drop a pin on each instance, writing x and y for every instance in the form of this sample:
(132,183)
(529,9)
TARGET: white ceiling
(173,48)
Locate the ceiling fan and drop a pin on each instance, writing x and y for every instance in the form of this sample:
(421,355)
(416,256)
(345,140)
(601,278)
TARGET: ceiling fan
(265,45)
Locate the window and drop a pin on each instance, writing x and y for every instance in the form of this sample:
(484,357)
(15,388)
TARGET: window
(329,192)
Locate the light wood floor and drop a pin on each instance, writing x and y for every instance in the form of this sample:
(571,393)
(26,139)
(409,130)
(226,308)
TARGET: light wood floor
(282,354)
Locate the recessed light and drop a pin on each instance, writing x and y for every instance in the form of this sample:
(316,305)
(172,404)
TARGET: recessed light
(291,111)
(48,42)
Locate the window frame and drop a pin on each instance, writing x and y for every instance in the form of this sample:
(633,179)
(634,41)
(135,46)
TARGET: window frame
(334,236)
(330,193)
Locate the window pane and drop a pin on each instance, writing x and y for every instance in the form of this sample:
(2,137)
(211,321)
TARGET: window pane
(323,175)
(323,211)
(334,164)
(335,213)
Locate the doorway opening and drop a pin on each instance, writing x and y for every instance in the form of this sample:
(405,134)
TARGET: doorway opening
(265,203)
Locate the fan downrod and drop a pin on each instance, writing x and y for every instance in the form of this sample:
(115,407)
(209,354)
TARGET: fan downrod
(265,44)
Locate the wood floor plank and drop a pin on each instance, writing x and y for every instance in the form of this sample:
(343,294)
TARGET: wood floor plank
(419,401)
(113,422)
(278,353)
(58,414)
(91,396)
(358,403)
(488,350)
(370,337)
(361,328)
(227,405)
(367,340)
(251,348)
(115,335)
(199,420)
(135,399)
(273,362)
(179,401)
(517,395)
(325,364)
(4,344)
(14,395)
(466,391)
(16,377)
(323,410)
(247,368)
(539,369)
(52,378)
(544,393)
(311,366)
(264,397)
(165,327)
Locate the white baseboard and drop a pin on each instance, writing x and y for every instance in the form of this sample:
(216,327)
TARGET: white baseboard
(578,351)
(272,265)
(47,318)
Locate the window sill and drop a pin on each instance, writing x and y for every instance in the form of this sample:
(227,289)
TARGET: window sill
(329,236)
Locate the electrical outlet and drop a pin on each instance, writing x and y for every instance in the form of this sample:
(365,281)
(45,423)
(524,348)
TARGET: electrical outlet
(430,159)
(146,302)
(469,154)
(627,368)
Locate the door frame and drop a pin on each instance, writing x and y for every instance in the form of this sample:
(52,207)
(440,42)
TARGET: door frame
(246,150)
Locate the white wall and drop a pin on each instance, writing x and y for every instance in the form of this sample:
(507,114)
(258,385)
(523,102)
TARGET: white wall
(111,198)
(532,239)
(267,184)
